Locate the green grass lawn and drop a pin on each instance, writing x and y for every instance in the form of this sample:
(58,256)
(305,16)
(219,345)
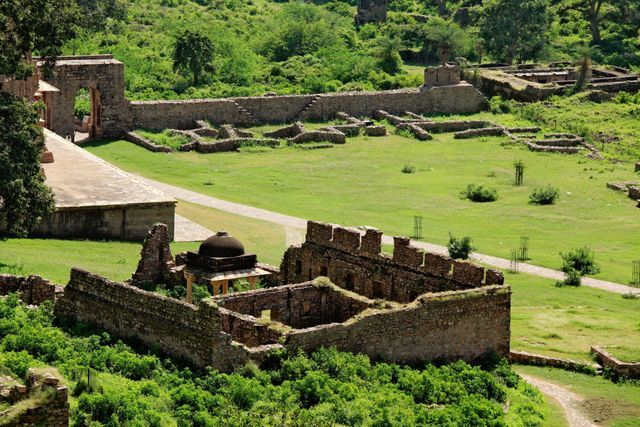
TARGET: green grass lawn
(612,404)
(361,183)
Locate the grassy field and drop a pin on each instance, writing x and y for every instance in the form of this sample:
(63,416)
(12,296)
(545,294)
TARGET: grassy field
(361,183)
(612,404)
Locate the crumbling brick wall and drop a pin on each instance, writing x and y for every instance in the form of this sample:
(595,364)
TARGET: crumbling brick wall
(33,290)
(156,264)
(52,410)
(447,326)
(356,263)
(185,331)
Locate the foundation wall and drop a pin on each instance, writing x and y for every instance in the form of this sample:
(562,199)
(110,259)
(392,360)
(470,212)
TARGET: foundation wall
(446,326)
(117,222)
(33,290)
(185,331)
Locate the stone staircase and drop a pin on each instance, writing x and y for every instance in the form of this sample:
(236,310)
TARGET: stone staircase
(247,117)
(310,106)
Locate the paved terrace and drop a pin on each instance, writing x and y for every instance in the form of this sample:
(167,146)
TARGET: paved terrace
(299,223)
(80,179)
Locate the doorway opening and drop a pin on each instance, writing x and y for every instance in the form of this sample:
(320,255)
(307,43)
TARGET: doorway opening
(86,112)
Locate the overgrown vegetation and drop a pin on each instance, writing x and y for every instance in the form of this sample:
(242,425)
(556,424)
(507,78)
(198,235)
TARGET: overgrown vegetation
(544,195)
(115,385)
(480,193)
(581,260)
(294,47)
(460,247)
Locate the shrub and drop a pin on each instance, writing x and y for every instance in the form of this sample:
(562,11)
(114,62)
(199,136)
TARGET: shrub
(580,260)
(409,169)
(460,248)
(544,195)
(498,105)
(572,279)
(480,193)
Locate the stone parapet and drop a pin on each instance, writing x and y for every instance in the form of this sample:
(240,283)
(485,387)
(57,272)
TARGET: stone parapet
(621,369)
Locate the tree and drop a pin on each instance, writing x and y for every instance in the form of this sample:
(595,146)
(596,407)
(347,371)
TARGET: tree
(515,29)
(449,37)
(388,50)
(38,26)
(96,12)
(442,7)
(25,197)
(192,52)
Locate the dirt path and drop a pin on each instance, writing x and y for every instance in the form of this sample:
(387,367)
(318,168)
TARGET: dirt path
(569,401)
(299,223)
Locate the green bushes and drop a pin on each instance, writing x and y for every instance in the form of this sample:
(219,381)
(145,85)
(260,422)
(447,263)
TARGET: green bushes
(409,169)
(460,248)
(480,193)
(544,195)
(576,263)
(327,387)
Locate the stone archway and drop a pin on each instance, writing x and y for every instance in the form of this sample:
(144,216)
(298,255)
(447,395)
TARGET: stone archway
(103,76)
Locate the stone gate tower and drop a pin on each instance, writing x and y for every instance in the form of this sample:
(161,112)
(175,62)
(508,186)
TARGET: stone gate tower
(371,11)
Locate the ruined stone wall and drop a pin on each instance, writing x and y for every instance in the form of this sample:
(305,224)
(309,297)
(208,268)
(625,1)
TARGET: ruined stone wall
(621,369)
(446,326)
(24,88)
(185,331)
(371,11)
(462,98)
(51,409)
(33,290)
(131,222)
(355,263)
(299,306)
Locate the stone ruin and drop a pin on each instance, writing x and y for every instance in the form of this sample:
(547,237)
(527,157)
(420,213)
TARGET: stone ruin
(230,138)
(423,129)
(48,400)
(32,290)
(371,11)
(632,188)
(535,82)
(336,289)
(441,76)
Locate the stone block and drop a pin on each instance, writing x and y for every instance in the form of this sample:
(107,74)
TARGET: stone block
(371,243)
(634,193)
(467,273)
(494,277)
(319,233)
(375,130)
(438,265)
(345,239)
(441,76)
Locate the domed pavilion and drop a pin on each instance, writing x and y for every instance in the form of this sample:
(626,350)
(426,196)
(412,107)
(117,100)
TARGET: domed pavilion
(220,260)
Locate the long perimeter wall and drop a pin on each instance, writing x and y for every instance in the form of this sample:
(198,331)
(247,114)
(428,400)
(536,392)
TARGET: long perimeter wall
(457,99)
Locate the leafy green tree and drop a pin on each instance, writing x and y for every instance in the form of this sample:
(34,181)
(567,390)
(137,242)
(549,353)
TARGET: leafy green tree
(448,36)
(388,50)
(515,29)
(192,52)
(38,26)
(96,12)
(24,198)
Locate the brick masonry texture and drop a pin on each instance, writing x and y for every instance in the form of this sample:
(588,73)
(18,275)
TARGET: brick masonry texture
(33,290)
(622,369)
(407,308)
(52,411)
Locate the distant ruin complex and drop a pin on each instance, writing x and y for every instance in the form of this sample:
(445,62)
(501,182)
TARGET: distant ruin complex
(371,11)
(405,308)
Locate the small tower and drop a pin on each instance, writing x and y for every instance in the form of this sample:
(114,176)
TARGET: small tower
(371,11)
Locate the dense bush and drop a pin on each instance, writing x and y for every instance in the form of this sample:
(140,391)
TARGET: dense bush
(544,195)
(409,169)
(460,248)
(116,385)
(581,260)
(480,193)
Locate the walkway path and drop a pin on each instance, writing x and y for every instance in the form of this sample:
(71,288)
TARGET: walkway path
(186,230)
(569,401)
(295,222)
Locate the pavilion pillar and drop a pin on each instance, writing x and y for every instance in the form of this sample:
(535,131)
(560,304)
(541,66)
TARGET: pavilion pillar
(252,282)
(225,287)
(189,278)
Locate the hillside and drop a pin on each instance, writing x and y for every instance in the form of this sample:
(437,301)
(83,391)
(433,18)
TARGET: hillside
(284,47)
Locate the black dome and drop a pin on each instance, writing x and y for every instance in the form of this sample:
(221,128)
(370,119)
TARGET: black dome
(221,245)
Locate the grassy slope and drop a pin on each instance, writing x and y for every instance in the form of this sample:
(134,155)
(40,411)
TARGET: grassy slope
(360,183)
(612,404)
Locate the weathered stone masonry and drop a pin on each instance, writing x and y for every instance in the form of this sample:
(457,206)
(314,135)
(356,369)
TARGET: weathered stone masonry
(408,308)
